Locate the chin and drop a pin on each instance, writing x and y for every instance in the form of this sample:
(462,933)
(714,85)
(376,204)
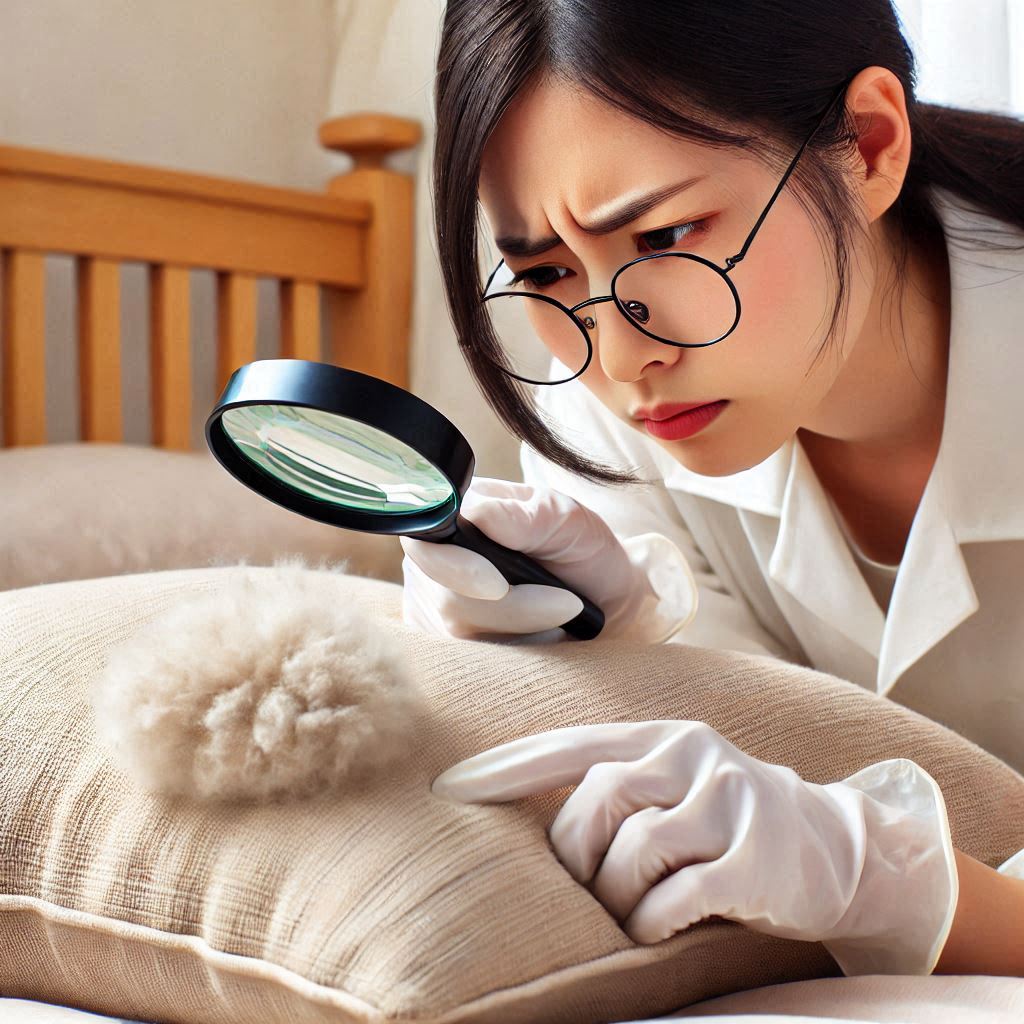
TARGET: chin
(716,459)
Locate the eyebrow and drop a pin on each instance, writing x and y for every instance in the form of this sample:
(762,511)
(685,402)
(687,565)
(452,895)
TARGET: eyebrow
(625,213)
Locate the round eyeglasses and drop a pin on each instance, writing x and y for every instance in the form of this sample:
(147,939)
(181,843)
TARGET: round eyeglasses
(677,298)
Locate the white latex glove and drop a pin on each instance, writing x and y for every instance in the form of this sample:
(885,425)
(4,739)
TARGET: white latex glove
(643,585)
(670,823)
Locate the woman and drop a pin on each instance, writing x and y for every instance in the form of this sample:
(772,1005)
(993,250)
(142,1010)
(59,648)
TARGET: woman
(826,426)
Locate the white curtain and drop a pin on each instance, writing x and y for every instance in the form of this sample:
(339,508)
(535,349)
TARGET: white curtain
(970,53)
(385,61)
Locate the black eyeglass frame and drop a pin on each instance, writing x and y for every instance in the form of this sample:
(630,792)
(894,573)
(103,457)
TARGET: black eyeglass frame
(723,272)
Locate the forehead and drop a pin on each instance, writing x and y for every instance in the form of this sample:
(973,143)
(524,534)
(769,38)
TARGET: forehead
(558,147)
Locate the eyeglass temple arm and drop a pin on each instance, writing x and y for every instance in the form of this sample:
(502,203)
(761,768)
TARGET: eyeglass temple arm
(731,261)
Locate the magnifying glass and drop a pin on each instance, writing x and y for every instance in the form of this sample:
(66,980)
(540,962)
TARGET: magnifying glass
(355,451)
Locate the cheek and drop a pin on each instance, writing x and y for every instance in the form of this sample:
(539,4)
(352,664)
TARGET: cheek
(600,387)
(786,294)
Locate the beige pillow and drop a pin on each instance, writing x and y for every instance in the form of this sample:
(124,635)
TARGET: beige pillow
(84,509)
(385,902)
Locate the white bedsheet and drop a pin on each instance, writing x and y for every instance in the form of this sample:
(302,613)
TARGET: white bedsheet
(866,999)
(24,1011)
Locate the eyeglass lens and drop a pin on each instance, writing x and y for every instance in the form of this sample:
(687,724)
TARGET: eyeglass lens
(676,298)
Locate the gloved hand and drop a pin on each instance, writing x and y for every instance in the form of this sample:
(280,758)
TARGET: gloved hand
(643,585)
(670,823)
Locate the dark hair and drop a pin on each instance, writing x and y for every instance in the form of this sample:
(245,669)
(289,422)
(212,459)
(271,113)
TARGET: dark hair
(750,73)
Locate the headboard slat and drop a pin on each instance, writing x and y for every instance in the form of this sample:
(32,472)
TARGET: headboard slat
(236,324)
(99,349)
(23,404)
(300,320)
(343,262)
(170,362)
(55,203)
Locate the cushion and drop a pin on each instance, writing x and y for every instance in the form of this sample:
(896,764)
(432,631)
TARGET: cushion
(384,902)
(84,509)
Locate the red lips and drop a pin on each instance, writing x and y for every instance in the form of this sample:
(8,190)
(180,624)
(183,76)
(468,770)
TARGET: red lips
(664,412)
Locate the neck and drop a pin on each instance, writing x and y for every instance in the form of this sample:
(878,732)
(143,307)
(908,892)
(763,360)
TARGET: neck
(888,402)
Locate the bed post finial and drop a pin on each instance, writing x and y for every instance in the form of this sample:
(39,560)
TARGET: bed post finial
(379,314)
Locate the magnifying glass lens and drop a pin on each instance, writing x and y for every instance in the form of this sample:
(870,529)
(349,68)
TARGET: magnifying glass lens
(348,449)
(336,460)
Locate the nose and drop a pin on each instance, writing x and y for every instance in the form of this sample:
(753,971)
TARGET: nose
(624,353)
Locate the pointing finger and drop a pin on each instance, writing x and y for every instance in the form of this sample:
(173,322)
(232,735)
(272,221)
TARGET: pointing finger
(547,760)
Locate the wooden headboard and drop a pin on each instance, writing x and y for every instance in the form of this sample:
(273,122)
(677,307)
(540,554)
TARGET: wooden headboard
(355,242)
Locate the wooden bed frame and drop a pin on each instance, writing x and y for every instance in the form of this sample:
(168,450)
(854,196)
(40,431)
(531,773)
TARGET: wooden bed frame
(355,243)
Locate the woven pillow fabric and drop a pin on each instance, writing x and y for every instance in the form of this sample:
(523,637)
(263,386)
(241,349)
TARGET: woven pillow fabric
(384,902)
(85,509)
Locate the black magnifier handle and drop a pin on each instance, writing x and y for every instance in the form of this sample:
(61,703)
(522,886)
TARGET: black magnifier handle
(517,568)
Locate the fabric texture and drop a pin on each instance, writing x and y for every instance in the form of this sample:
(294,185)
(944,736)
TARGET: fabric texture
(86,509)
(388,903)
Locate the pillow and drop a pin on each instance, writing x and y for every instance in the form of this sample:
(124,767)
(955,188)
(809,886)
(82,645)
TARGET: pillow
(84,509)
(384,902)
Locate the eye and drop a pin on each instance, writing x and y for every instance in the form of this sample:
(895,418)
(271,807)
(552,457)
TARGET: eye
(672,237)
(539,277)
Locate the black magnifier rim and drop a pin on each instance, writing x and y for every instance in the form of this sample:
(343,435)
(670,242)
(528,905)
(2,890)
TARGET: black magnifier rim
(355,396)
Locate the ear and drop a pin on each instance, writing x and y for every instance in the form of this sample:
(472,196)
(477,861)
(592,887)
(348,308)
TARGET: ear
(877,102)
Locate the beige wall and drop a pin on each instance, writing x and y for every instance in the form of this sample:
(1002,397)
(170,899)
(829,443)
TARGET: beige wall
(234,87)
(237,88)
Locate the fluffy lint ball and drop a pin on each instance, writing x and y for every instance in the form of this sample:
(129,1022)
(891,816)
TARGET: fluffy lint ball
(272,686)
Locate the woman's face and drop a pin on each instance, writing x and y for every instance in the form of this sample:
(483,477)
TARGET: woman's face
(561,158)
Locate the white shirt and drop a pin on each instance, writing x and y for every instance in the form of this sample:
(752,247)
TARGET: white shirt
(775,571)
